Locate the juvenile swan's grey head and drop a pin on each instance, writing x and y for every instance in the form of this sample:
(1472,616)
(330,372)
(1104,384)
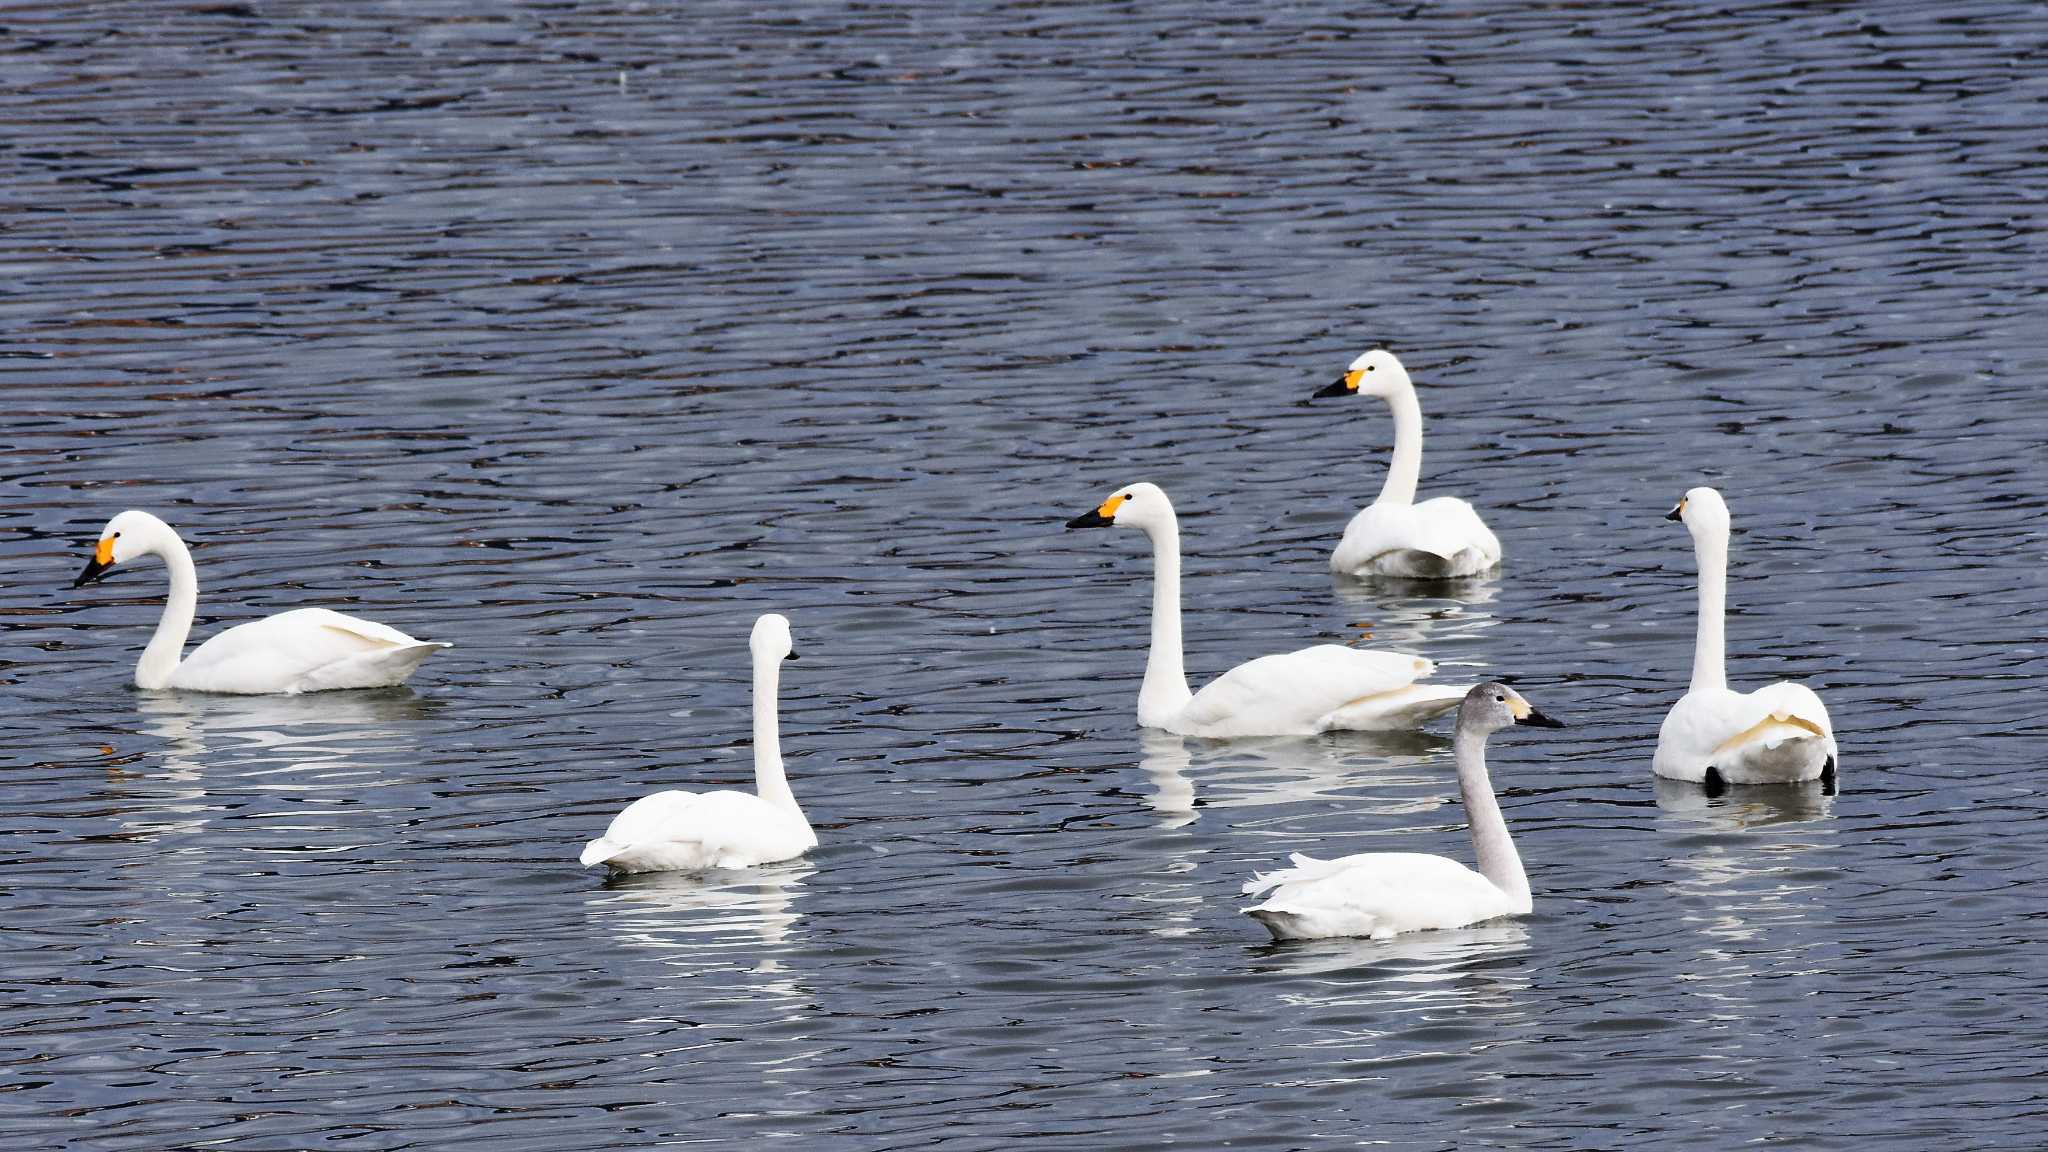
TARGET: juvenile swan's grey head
(1493,706)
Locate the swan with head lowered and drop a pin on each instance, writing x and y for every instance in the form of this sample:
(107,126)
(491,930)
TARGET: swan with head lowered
(304,650)
(1778,734)
(1438,539)
(1382,894)
(694,831)
(1299,693)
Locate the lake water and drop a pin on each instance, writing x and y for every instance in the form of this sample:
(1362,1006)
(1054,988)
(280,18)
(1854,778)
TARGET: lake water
(580,335)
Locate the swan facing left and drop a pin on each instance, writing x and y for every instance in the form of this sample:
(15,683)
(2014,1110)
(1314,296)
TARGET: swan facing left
(1714,735)
(1437,539)
(304,650)
(1383,894)
(1301,693)
(694,831)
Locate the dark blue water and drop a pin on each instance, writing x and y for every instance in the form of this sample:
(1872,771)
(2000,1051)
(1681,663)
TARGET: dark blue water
(581,335)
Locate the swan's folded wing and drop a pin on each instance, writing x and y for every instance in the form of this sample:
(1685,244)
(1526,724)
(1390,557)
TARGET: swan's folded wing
(685,830)
(1381,894)
(1796,703)
(1444,527)
(300,650)
(1447,526)
(1294,693)
(1727,729)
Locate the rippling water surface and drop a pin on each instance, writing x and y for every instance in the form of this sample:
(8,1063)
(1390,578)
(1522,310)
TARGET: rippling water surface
(579,335)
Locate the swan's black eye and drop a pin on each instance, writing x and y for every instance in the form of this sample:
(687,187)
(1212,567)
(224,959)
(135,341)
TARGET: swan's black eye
(1369,367)
(1127,495)
(1500,699)
(116,536)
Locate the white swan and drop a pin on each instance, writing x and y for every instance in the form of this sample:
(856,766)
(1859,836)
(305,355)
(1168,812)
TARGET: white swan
(1438,539)
(691,831)
(1779,733)
(304,650)
(1293,694)
(1382,894)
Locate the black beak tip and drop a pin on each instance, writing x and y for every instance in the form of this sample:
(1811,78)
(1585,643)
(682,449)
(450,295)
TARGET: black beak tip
(1537,719)
(93,571)
(1674,514)
(1329,390)
(1090,520)
(791,655)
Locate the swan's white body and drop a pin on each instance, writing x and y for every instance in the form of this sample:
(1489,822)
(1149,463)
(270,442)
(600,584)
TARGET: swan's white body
(304,650)
(1441,538)
(1292,694)
(691,831)
(1779,733)
(1383,894)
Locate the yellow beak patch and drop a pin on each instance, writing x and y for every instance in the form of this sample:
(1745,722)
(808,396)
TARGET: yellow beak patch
(1352,378)
(1108,508)
(1518,707)
(104,554)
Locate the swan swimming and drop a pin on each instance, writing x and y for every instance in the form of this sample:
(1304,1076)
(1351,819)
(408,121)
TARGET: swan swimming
(1299,693)
(1383,894)
(304,650)
(1438,539)
(1778,734)
(692,831)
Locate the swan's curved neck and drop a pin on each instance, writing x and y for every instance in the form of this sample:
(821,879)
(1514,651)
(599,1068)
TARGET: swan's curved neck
(167,646)
(1165,691)
(1498,860)
(770,783)
(1709,670)
(1405,470)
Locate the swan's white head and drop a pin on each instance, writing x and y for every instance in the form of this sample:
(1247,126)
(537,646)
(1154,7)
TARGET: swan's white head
(1133,505)
(126,537)
(1375,373)
(1493,706)
(1704,513)
(771,640)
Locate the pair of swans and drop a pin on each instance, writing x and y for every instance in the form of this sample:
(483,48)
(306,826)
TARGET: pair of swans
(313,649)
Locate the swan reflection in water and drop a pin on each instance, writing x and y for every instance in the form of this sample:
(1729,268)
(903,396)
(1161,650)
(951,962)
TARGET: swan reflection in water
(1474,977)
(1190,774)
(329,740)
(1734,855)
(705,919)
(1406,614)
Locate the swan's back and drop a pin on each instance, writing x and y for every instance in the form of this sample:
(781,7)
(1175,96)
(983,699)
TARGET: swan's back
(1779,733)
(304,650)
(1296,692)
(678,831)
(1375,894)
(1438,538)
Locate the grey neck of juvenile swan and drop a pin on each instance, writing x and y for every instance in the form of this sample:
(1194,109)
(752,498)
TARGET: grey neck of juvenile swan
(770,783)
(1498,860)
(167,646)
(1165,691)
(1709,653)
(1405,470)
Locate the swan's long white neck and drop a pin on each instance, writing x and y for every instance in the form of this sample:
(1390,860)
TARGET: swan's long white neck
(1165,691)
(1709,653)
(1498,860)
(1405,470)
(770,783)
(167,646)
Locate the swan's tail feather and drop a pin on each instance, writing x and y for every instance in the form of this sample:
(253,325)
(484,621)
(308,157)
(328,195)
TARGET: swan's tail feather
(1284,925)
(599,851)
(1305,868)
